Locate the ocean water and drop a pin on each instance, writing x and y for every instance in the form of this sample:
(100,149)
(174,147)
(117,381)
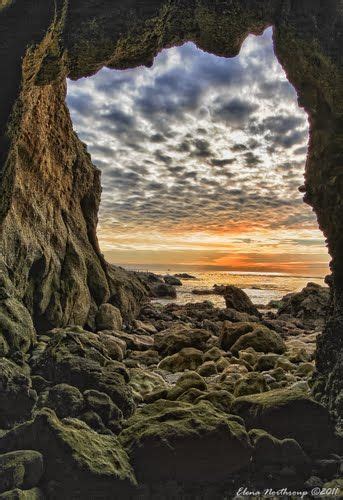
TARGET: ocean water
(261,287)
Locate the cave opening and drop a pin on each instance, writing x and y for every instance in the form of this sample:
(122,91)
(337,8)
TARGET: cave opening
(201,159)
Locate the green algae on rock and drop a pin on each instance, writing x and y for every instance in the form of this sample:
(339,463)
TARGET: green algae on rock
(78,461)
(163,439)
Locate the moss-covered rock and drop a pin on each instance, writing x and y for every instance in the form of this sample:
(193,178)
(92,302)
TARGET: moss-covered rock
(188,380)
(18,494)
(17,332)
(108,318)
(102,404)
(268,450)
(252,383)
(64,399)
(144,381)
(174,339)
(186,359)
(288,413)
(207,369)
(79,463)
(17,398)
(266,362)
(20,469)
(79,359)
(170,440)
(261,339)
(220,399)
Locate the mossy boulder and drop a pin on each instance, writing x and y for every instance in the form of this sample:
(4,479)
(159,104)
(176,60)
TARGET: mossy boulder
(79,359)
(147,358)
(64,399)
(214,354)
(261,339)
(268,450)
(79,463)
(144,381)
(266,362)
(207,369)
(20,469)
(103,405)
(108,318)
(188,380)
(186,359)
(252,383)
(235,298)
(288,413)
(173,440)
(18,494)
(220,399)
(17,398)
(241,336)
(177,337)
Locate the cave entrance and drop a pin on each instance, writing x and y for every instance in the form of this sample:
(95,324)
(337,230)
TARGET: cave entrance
(201,159)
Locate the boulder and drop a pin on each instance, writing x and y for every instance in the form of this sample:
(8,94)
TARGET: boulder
(268,450)
(237,299)
(288,413)
(17,494)
(149,357)
(79,463)
(174,440)
(172,280)
(17,398)
(186,359)
(187,381)
(145,381)
(108,318)
(20,469)
(310,305)
(261,339)
(177,337)
(207,369)
(163,291)
(136,342)
(64,399)
(79,359)
(220,399)
(101,403)
(252,383)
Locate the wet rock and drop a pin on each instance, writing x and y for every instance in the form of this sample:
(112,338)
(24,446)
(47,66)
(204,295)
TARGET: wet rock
(172,280)
(186,359)
(17,398)
(288,413)
(64,399)
(310,305)
(20,469)
(108,318)
(163,439)
(79,463)
(177,337)
(163,291)
(238,300)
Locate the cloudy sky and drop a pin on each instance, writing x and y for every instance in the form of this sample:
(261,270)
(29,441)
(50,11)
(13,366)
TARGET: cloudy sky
(201,160)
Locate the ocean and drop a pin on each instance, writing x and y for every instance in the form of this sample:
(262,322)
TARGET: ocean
(261,287)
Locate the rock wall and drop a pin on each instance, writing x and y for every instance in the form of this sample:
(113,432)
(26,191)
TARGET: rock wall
(49,189)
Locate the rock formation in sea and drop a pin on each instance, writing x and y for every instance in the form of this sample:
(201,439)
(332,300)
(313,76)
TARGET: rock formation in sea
(74,364)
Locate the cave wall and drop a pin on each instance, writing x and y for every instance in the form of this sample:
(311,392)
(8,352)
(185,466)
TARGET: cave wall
(49,189)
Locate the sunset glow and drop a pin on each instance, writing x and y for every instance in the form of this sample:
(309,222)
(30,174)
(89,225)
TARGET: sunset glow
(201,160)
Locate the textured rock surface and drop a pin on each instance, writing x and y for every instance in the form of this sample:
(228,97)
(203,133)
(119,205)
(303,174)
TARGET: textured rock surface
(49,189)
(164,438)
(80,462)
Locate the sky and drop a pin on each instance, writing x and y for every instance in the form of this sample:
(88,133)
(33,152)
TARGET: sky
(201,159)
